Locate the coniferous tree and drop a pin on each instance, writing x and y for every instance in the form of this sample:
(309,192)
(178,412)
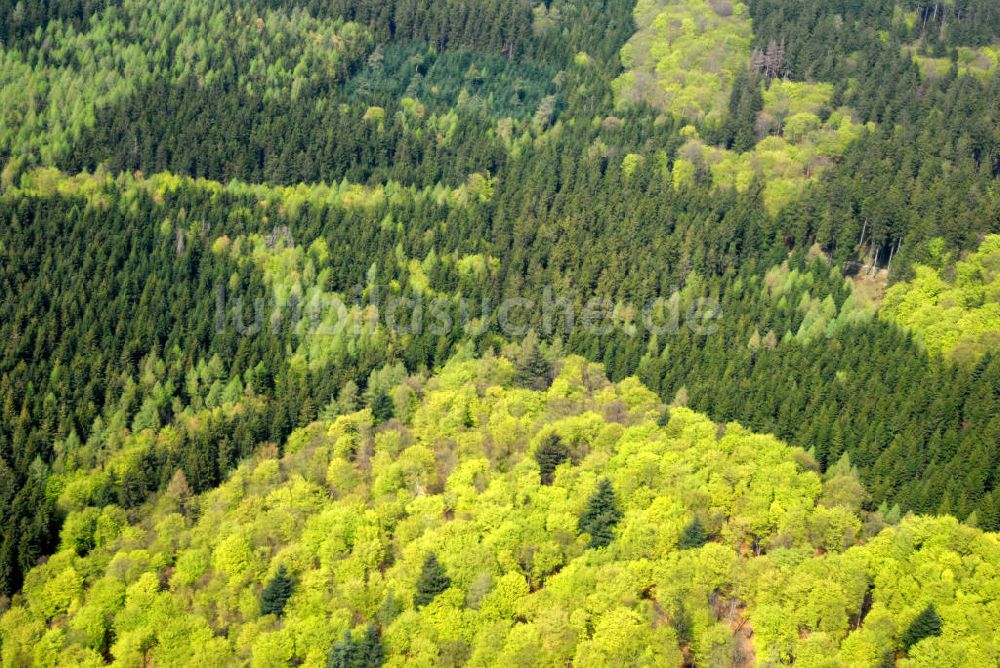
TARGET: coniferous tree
(382,408)
(347,399)
(276,593)
(927,624)
(551,452)
(693,536)
(370,650)
(342,653)
(683,624)
(532,369)
(365,652)
(602,515)
(433,580)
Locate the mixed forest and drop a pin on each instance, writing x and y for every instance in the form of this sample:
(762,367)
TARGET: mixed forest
(257,407)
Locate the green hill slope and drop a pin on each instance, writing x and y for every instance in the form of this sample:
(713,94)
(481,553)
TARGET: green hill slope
(711,531)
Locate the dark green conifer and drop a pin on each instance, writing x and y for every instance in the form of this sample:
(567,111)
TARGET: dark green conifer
(433,580)
(532,369)
(693,536)
(276,593)
(601,515)
(342,654)
(927,624)
(382,408)
(366,652)
(551,452)
(370,650)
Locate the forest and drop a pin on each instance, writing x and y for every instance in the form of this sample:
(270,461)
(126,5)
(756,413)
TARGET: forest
(262,402)
(478,521)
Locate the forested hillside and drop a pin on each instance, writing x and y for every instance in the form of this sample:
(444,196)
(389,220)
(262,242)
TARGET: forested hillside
(486,524)
(250,252)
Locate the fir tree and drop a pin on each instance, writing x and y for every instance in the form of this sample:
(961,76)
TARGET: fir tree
(342,654)
(370,650)
(382,408)
(276,593)
(367,652)
(433,580)
(927,624)
(601,515)
(693,536)
(683,624)
(551,452)
(532,369)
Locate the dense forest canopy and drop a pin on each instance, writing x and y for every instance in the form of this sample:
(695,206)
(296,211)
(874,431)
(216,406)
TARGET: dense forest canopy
(263,396)
(434,538)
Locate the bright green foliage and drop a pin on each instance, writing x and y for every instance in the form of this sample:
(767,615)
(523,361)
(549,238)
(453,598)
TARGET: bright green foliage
(276,594)
(958,316)
(352,514)
(786,163)
(982,62)
(693,536)
(784,98)
(601,515)
(927,624)
(433,581)
(685,56)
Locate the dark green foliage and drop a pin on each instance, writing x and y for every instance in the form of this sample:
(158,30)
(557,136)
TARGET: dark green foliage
(503,27)
(683,624)
(276,593)
(601,516)
(432,581)
(391,608)
(532,369)
(550,454)
(382,408)
(693,536)
(371,651)
(486,82)
(223,132)
(500,26)
(823,39)
(786,389)
(22,17)
(927,624)
(342,653)
(745,102)
(365,652)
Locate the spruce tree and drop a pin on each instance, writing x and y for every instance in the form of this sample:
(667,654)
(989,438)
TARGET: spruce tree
(531,367)
(276,593)
(927,624)
(370,651)
(551,452)
(366,652)
(693,535)
(601,515)
(342,653)
(433,580)
(382,408)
